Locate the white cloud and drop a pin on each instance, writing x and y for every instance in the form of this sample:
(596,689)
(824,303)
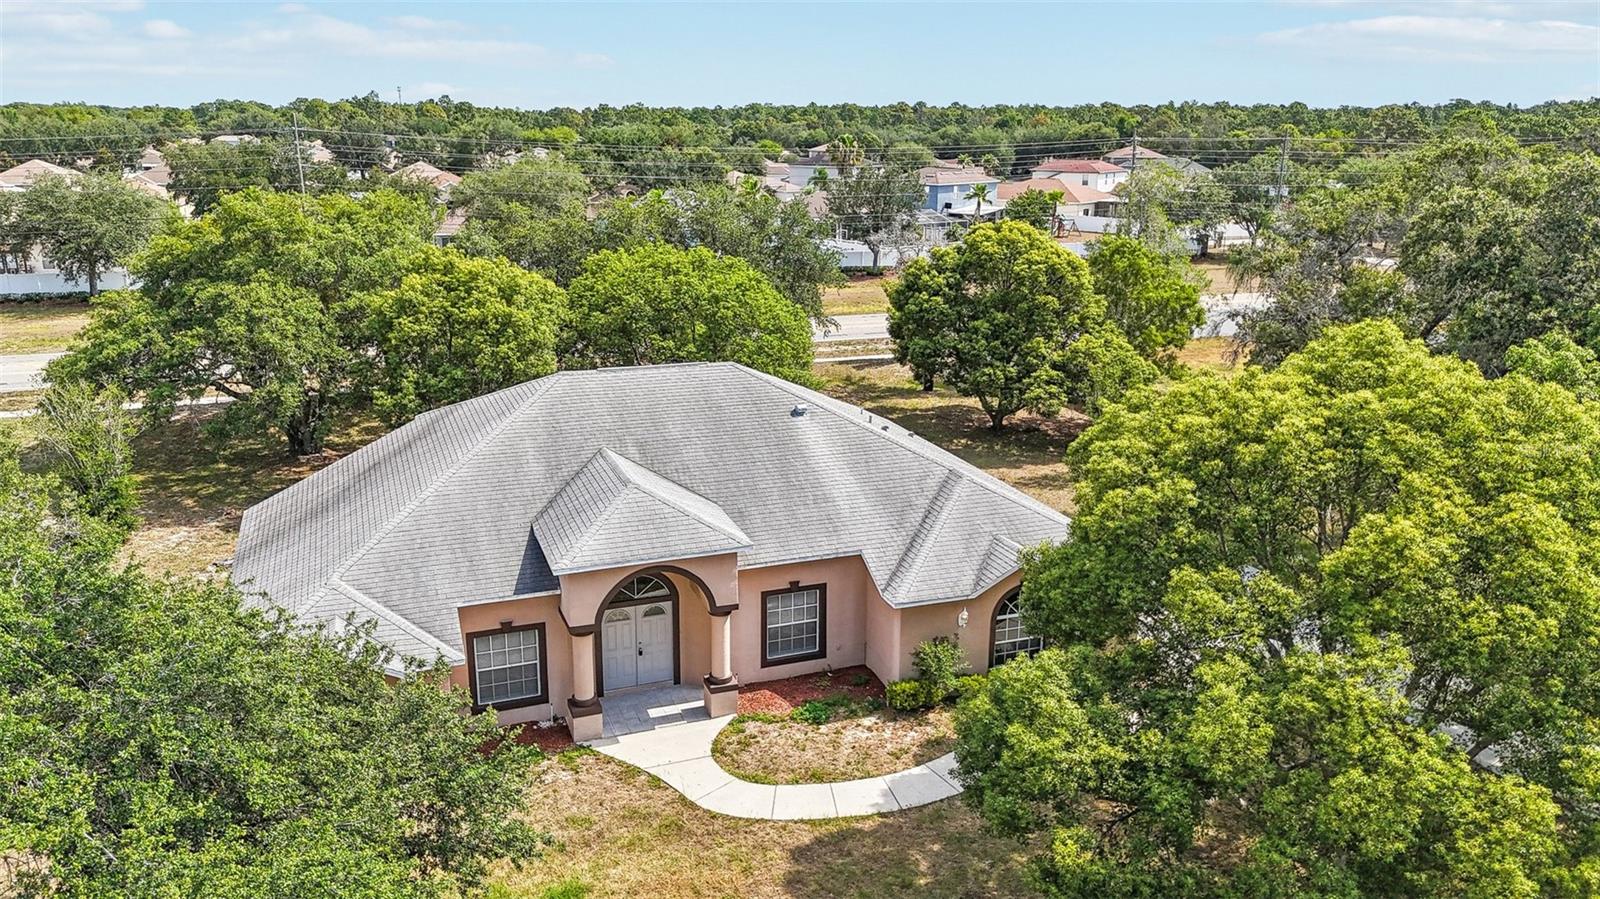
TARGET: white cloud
(1441,38)
(430,90)
(1497,9)
(165,29)
(591,60)
(316,30)
(423,23)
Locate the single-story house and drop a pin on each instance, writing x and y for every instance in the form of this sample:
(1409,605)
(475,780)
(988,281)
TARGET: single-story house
(590,532)
(1095,173)
(1076,201)
(22,175)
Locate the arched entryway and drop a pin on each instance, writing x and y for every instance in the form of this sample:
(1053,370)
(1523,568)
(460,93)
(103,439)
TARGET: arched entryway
(638,641)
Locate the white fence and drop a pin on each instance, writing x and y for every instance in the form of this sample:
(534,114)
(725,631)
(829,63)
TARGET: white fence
(55,283)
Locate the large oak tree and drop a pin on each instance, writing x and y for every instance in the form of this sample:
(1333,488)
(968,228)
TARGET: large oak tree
(1332,629)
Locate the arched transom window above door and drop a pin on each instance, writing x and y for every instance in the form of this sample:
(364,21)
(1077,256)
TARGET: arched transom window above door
(1009,638)
(644,586)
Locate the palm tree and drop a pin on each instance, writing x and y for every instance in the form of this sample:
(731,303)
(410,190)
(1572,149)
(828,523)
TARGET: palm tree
(979,192)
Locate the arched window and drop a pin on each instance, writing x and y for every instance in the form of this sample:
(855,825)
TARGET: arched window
(1008,637)
(642,587)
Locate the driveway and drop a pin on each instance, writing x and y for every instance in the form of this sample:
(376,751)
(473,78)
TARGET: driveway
(24,371)
(1220,312)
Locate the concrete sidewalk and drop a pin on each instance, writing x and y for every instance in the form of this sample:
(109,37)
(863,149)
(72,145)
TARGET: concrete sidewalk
(676,747)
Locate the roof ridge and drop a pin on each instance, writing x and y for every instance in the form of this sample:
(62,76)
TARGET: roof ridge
(978,583)
(738,532)
(937,455)
(542,385)
(389,615)
(928,528)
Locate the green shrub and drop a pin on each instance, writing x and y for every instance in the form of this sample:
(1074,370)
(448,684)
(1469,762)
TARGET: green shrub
(815,711)
(906,696)
(968,685)
(940,662)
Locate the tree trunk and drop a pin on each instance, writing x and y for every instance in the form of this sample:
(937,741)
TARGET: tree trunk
(876,250)
(94,281)
(997,420)
(303,431)
(927,383)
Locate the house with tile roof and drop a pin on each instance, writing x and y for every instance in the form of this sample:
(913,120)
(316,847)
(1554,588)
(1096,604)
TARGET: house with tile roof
(591,532)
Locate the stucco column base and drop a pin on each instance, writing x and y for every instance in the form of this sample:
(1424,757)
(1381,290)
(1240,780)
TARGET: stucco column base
(720,699)
(584,720)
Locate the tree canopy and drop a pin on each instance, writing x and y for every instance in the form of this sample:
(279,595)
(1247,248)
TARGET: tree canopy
(85,224)
(1153,297)
(992,316)
(156,739)
(299,307)
(658,303)
(1330,629)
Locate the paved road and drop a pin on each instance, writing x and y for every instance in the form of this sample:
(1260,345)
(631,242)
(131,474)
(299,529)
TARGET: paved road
(1220,309)
(23,371)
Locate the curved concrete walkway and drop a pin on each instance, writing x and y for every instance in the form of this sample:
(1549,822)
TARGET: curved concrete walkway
(679,753)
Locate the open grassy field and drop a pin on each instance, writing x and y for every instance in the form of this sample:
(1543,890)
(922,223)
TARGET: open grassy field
(41,326)
(859,296)
(620,832)
(1211,353)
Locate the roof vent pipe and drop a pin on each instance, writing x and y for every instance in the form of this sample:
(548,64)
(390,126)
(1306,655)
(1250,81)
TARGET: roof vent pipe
(799,410)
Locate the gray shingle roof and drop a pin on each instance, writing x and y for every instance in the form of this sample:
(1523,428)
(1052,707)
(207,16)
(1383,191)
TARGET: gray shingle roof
(616,512)
(490,498)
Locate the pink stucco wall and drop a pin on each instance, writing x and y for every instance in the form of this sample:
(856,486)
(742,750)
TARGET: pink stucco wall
(850,593)
(920,623)
(861,627)
(530,610)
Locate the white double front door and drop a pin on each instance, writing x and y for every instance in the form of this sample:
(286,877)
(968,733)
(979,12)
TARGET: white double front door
(636,645)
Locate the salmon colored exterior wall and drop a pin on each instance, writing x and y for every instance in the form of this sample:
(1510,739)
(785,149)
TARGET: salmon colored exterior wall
(920,623)
(488,616)
(861,627)
(850,592)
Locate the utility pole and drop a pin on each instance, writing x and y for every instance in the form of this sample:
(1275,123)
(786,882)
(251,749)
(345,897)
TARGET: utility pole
(1283,170)
(1133,199)
(397,100)
(299,160)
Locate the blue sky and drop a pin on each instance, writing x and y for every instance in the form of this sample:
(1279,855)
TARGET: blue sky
(1322,52)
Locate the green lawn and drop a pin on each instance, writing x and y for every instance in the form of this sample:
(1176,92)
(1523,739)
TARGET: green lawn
(860,295)
(41,326)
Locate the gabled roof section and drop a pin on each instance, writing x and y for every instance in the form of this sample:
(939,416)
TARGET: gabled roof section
(617,512)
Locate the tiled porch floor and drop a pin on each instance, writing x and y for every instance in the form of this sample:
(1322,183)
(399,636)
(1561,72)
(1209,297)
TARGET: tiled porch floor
(647,708)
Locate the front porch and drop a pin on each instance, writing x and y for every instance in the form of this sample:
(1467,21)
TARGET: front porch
(650,708)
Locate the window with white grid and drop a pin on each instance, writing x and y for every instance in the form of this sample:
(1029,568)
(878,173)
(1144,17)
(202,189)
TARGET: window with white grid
(794,624)
(506,666)
(1010,638)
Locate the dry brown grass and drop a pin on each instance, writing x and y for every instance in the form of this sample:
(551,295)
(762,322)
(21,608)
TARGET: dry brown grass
(1026,455)
(620,832)
(1210,354)
(194,486)
(40,326)
(1222,281)
(19,400)
(793,752)
(860,295)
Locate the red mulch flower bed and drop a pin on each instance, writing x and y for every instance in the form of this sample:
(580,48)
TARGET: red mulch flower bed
(780,697)
(548,739)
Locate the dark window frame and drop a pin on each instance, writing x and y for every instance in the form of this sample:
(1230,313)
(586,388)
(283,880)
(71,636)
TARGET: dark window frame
(1014,593)
(821,651)
(544,667)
